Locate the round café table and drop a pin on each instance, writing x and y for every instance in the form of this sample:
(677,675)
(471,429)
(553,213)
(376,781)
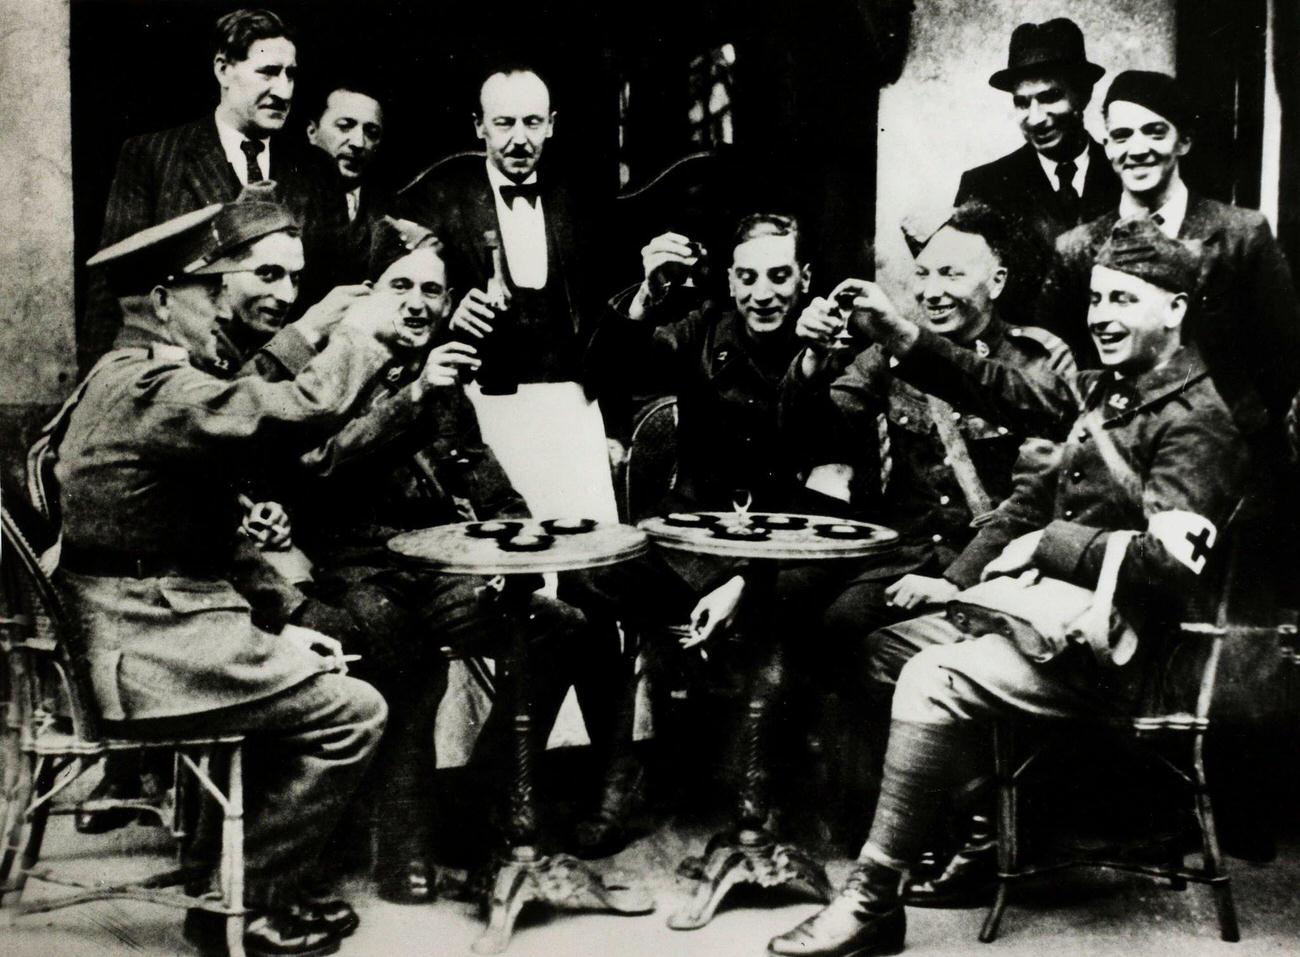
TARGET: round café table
(525,874)
(748,853)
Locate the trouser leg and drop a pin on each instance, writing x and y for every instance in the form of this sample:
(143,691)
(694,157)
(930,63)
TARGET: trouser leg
(306,751)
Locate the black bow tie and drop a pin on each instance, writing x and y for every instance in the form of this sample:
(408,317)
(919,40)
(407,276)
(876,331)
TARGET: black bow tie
(528,192)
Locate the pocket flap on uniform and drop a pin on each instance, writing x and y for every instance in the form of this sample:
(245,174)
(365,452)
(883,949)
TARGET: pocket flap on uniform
(190,598)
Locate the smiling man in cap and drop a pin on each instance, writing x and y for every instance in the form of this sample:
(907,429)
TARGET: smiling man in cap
(1150,469)
(150,448)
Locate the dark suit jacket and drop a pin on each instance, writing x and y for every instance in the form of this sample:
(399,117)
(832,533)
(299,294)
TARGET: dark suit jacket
(455,200)
(1016,186)
(162,175)
(1244,319)
(341,247)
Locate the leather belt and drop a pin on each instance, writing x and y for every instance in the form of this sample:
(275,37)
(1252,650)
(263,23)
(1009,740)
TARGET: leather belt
(107,563)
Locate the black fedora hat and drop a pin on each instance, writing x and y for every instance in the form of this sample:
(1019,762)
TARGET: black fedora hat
(1055,45)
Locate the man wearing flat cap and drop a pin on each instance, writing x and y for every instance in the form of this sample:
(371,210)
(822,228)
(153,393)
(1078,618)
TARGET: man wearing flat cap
(1060,177)
(149,450)
(1150,470)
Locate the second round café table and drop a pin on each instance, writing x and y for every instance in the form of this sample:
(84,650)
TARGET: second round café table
(749,853)
(526,875)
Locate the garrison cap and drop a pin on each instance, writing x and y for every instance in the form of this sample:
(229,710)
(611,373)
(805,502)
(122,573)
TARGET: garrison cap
(1137,246)
(199,243)
(1158,92)
(392,238)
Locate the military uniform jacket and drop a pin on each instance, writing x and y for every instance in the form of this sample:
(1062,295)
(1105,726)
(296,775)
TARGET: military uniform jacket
(147,466)
(727,388)
(1170,466)
(1244,319)
(400,463)
(840,421)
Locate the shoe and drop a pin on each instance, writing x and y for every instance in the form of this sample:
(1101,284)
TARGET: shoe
(275,933)
(606,832)
(969,880)
(865,919)
(331,915)
(412,884)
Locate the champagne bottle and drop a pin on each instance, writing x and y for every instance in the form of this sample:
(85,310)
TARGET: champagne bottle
(498,374)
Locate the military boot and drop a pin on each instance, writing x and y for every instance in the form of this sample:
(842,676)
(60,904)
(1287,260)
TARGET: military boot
(865,919)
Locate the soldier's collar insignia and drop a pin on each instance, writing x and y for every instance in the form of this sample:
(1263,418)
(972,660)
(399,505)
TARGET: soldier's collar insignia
(982,348)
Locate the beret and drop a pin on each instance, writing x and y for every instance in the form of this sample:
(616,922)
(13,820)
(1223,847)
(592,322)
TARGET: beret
(1158,92)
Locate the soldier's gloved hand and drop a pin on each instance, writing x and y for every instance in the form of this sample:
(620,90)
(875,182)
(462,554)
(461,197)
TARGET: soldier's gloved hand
(266,524)
(317,322)
(911,591)
(473,315)
(1017,557)
(716,610)
(442,366)
(875,317)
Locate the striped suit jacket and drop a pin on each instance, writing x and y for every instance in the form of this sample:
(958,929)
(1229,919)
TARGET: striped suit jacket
(162,175)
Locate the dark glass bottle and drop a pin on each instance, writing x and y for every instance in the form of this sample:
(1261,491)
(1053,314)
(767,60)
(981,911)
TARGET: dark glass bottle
(499,373)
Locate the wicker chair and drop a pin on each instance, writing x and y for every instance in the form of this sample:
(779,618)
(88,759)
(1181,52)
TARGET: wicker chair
(53,734)
(1171,726)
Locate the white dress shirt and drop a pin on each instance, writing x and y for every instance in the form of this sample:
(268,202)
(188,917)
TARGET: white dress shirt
(523,233)
(353,199)
(1080,170)
(1170,215)
(231,140)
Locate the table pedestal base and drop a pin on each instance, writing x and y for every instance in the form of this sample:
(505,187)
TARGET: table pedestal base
(749,857)
(559,881)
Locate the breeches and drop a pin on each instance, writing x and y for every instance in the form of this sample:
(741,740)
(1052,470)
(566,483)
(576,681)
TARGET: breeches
(946,680)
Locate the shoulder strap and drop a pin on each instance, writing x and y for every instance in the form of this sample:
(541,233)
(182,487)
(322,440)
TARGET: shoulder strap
(963,468)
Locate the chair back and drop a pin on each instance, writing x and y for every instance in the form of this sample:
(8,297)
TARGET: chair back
(39,628)
(652,458)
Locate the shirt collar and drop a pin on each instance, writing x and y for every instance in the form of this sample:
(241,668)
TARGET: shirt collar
(1172,213)
(499,179)
(231,140)
(1080,169)
(1184,368)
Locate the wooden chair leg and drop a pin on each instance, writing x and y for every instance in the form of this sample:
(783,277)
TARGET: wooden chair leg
(1227,911)
(1008,826)
(19,798)
(43,774)
(232,854)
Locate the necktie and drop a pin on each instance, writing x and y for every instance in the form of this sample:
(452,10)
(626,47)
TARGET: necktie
(251,150)
(1066,193)
(528,192)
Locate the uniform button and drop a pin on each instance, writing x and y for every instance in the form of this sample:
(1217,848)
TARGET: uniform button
(1003,430)
(956,416)
(944,499)
(1076,476)
(902,420)
(947,460)
(936,539)
(1069,513)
